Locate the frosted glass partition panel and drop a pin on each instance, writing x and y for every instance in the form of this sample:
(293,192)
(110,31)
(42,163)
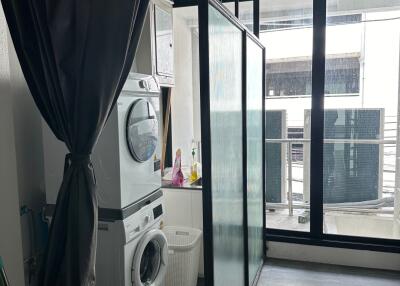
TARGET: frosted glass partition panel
(254,114)
(225,71)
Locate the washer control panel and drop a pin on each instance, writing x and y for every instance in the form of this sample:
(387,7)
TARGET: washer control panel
(143,219)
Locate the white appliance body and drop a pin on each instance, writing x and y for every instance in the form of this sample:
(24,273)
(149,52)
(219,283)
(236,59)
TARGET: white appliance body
(121,178)
(133,251)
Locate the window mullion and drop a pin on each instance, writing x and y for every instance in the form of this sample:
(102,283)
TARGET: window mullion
(317,118)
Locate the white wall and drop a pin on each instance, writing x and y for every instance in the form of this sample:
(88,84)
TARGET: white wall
(381,69)
(28,151)
(338,256)
(196,86)
(182,93)
(21,158)
(10,229)
(28,138)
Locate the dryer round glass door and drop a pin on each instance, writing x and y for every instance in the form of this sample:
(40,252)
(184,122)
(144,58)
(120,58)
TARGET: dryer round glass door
(150,260)
(142,130)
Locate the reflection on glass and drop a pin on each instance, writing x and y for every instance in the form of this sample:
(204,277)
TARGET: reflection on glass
(142,130)
(286,32)
(254,160)
(361,181)
(230,6)
(226,144)
(164,49)
(246,14)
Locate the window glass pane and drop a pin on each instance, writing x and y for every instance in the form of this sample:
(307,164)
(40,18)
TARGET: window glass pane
(230,6)
(226,148)
(361,182)
(293,78)
(286,32)
(246,14)
(254,86)
(164,50)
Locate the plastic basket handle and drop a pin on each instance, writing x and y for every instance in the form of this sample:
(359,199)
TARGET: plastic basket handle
(182,233)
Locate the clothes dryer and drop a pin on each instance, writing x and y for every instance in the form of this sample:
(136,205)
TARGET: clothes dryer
(126,158)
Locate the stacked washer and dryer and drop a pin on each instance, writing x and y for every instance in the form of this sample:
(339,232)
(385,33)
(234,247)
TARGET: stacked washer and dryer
(131,249)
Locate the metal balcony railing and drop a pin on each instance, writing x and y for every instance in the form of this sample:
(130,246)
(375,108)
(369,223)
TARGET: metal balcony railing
(376,206)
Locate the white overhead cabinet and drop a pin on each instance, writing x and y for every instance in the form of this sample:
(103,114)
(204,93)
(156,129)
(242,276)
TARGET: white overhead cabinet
(155,54)
(164,53)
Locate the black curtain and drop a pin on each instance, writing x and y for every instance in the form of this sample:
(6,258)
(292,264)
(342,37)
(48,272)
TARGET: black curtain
(75,56)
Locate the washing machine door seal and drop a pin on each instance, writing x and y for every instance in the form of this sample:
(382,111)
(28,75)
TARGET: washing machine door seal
(149,264)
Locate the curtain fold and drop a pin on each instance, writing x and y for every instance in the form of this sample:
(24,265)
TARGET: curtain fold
(75,56)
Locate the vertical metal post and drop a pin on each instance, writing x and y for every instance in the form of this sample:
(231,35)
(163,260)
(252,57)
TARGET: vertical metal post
(237,8)
(256,18)
(396,214)
(244,148)
(206,143)
(290,179)
(263,153)
(317,119)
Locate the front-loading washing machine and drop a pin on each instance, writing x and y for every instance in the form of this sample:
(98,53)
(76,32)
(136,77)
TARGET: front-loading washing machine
(126,158)
(133,251)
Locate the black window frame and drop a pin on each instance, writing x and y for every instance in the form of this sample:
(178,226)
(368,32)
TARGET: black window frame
(316,235)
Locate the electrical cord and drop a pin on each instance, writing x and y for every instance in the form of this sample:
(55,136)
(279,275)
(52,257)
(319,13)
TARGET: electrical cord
(32,259)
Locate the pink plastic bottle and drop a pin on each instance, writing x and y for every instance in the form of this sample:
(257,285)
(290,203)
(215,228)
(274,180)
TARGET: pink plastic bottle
(177,175)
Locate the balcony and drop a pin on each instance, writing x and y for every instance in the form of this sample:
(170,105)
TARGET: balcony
(369,208)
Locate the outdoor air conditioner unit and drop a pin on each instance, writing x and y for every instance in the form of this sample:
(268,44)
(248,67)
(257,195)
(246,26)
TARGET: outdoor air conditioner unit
(275,156)
(353,154)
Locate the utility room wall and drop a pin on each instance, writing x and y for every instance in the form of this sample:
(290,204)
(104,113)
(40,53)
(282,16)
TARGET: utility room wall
(10,227)
(182,92)
(21,164)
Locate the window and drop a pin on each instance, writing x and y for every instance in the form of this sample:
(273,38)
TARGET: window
(293,78)
(352,192)
(360,137)
(288,90)
(307,22)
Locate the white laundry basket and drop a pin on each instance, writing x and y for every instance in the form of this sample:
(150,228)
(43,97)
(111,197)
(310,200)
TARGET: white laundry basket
(183,255)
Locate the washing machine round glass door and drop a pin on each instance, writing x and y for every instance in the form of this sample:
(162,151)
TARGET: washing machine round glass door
(149,264)
(142,130)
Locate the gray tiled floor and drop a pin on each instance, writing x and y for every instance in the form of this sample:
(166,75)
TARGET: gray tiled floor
(290,273)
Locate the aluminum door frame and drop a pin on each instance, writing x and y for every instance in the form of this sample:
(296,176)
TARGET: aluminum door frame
(203,17)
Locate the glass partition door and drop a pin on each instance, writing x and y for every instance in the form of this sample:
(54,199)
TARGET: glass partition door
(226,148)
(232,146)
(254,162)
